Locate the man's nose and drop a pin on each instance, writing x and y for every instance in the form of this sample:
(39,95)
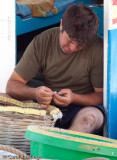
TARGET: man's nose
(72,47)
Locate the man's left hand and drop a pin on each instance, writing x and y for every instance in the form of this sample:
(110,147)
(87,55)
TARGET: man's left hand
(63,98)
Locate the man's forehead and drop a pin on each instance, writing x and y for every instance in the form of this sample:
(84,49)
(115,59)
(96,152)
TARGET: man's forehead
(72,40)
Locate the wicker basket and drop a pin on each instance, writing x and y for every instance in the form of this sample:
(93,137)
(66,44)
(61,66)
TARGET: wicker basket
(13,126)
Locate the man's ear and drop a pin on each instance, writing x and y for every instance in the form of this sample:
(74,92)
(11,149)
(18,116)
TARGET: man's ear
(61,26)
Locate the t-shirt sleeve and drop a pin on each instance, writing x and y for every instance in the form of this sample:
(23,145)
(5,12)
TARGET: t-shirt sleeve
(97,65)
(30,63)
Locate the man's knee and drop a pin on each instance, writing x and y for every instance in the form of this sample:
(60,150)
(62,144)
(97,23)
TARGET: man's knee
(89,118)
(91,115)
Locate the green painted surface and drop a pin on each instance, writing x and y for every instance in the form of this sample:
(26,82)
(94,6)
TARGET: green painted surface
(50,147)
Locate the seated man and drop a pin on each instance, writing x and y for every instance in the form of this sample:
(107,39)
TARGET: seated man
(71,61)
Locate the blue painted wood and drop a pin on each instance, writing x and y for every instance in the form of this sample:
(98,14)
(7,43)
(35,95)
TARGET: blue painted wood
(99,12)
(23,26)
(112,84)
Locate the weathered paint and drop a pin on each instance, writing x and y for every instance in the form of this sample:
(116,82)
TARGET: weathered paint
(112,84)
(110,49)
(114,12)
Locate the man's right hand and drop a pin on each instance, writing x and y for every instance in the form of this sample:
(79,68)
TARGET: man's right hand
(17,88)
(44,95)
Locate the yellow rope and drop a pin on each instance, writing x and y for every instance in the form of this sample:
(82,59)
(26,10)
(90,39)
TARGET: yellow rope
(23,110)
(27,108)
(13,150)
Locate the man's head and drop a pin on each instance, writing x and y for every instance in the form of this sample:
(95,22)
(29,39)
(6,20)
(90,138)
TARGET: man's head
(78,28)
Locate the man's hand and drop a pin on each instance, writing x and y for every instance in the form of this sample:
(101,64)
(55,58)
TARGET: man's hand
(44,95)
(63,98)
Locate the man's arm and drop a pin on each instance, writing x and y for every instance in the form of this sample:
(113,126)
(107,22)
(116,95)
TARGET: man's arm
(95,98)
(69,97)
(17,88)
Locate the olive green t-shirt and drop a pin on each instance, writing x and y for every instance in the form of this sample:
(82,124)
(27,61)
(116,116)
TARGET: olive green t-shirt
(80,71)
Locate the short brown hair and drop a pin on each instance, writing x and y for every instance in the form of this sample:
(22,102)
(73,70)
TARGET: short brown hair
(81,24)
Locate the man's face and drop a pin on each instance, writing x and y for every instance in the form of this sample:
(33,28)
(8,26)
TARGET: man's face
(67,45)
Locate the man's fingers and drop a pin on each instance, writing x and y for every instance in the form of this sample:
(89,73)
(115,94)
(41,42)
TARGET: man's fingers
(60,98)
(45,101)
(45,98)
(46,93)
(64,92)
(61,101)
(47,89)
(58,102)
(44,106)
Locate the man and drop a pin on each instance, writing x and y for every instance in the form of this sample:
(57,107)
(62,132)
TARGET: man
(71,61)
